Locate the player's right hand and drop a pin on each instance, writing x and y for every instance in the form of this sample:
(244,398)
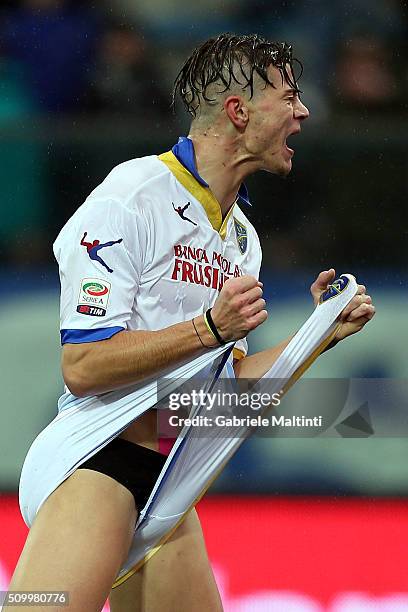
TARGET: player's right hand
(239,308)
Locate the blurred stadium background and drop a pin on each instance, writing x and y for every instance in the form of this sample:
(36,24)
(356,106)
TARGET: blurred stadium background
(293,524)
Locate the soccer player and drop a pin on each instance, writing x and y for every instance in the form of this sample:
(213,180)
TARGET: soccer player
(176,243)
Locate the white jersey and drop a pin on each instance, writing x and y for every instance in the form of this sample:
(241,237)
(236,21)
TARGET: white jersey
(147,249)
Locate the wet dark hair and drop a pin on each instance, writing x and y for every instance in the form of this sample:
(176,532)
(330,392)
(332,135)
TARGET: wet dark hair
(216,61)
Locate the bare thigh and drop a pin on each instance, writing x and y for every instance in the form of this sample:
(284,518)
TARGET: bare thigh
(178,578)
(78,542)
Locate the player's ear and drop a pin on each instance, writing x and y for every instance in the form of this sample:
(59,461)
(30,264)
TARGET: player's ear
(237,111)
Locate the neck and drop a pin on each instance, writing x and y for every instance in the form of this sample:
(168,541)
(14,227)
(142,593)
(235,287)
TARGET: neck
(221,164)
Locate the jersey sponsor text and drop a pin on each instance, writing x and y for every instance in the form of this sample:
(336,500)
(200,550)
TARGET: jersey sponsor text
(195,265)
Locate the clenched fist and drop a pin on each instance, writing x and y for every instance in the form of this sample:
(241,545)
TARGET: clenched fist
(355,315)
(239,308)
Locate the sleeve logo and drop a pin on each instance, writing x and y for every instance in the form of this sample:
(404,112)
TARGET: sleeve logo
(93,248)
(93,297)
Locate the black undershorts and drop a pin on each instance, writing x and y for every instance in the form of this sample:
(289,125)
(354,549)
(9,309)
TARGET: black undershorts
(135,467)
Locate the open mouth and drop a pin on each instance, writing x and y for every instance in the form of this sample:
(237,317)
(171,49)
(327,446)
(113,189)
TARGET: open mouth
(291,151)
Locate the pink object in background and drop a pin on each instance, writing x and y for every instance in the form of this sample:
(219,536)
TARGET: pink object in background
(165,445)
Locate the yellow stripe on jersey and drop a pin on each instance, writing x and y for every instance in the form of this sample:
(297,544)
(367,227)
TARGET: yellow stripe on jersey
(203,194)
(238,354)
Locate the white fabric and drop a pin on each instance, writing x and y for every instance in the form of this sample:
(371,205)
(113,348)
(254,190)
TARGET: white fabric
(146,288)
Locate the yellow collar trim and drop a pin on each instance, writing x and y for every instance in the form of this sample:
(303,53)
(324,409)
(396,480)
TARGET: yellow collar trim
(203,194)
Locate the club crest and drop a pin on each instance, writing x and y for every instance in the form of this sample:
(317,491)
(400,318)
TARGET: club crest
(335,288)
(242,235)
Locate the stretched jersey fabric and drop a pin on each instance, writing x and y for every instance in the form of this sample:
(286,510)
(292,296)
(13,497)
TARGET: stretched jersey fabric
(146,250)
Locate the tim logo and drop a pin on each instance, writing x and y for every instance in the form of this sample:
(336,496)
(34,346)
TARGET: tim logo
(335,289)
(91,310)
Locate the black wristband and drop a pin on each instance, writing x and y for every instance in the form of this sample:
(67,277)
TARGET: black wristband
(213,327)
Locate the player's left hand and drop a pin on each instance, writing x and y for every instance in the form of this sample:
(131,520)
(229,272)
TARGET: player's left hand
(355,315)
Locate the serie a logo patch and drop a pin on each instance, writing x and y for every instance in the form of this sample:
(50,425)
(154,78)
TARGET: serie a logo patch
(93,297)
(242,235)
(335,289)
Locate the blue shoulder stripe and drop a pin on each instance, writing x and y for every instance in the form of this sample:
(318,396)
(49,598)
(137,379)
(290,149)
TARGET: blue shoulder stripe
(77,336)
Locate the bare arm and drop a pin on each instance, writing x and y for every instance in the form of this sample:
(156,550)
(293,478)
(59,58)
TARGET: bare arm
(255,366)
(130,356)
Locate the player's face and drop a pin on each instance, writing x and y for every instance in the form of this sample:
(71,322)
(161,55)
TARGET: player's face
(276,114)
